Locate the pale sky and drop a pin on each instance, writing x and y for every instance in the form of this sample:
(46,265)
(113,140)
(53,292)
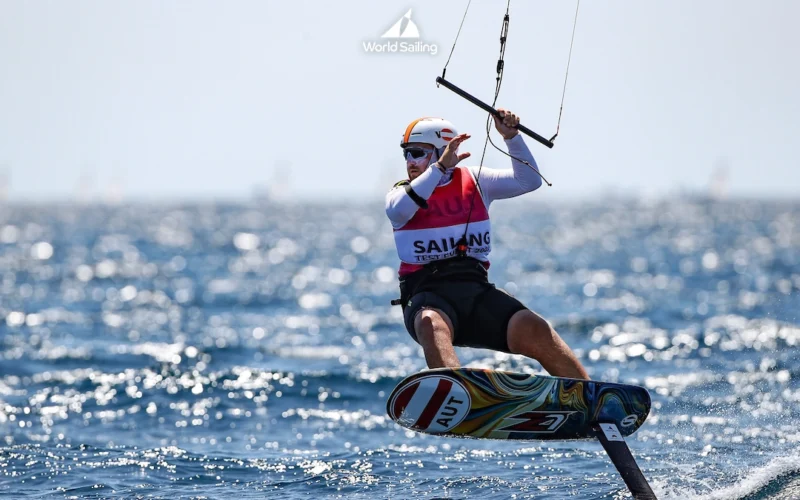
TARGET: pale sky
(168,99)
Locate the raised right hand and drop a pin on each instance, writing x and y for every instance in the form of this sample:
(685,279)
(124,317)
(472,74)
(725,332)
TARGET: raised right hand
(450,158)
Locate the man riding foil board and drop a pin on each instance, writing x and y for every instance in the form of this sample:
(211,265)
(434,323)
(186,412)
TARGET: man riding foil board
(446,297)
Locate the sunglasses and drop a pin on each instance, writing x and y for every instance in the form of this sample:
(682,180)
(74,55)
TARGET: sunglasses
(416,153)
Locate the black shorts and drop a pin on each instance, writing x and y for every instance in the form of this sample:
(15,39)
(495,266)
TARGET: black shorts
(479,311)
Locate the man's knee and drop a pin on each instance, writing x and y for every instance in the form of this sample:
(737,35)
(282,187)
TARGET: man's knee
(528,333)
(432,323)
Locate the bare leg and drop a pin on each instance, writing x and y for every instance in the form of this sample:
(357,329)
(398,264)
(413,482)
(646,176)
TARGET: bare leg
(435,334)
(530,335)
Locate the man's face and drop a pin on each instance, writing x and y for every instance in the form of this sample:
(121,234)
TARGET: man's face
(424,155)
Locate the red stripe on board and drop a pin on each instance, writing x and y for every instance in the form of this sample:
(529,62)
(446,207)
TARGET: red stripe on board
(402,399)
(441,392)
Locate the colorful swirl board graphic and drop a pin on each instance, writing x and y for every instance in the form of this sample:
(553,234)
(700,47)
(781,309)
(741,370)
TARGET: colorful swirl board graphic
(478,403)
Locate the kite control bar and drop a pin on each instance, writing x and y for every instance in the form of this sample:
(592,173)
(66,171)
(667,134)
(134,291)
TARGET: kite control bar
(474,100)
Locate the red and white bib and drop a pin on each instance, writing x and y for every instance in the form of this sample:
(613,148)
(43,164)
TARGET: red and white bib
(432,233)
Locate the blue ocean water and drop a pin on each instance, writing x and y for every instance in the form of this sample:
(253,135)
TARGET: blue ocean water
(247,350)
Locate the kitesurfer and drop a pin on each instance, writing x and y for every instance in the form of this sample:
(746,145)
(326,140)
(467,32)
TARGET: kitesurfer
(442,232)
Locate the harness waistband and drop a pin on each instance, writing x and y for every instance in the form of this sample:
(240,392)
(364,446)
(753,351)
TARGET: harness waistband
(456,268)
(448,267)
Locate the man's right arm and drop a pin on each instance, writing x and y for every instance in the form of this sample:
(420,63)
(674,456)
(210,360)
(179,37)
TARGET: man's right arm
(400,206)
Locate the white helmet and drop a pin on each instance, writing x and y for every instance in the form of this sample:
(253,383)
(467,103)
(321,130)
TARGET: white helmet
(434,131)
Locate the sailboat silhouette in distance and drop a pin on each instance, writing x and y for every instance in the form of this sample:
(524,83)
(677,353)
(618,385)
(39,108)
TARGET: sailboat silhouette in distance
(403,28)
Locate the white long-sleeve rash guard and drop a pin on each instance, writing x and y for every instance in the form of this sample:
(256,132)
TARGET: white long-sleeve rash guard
(495,183)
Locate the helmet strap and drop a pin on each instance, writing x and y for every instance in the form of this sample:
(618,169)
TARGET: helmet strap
(438,152)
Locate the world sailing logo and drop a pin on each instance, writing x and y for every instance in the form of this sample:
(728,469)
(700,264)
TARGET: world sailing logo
(398,39)
(403,28)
